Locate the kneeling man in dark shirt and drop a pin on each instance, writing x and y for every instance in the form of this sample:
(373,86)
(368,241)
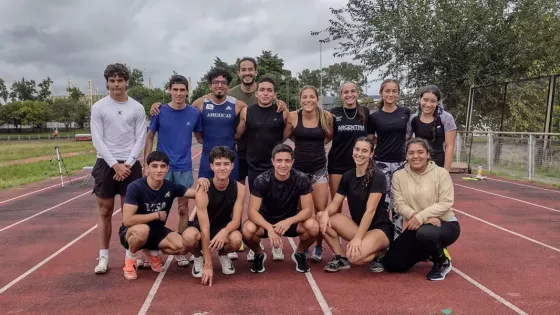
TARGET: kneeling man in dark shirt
(273,210)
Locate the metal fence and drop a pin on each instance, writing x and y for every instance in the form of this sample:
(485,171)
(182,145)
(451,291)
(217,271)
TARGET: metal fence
(522,155)
(528,105)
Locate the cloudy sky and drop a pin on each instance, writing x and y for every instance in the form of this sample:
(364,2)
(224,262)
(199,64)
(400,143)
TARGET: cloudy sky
(76,39)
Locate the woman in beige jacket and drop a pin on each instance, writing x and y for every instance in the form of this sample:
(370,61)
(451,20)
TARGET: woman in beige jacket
(423,194)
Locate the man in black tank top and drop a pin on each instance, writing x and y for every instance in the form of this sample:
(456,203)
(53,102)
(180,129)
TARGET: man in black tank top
(273,210)
(221,207)
(263,126)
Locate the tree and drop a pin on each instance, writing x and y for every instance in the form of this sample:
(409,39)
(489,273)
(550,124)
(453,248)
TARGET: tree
(12,115)
(453,44)
(63,110)
(3,90)
(75,94)
(136,77)
(44,94)
(23,90)
(81,114)
(34,113)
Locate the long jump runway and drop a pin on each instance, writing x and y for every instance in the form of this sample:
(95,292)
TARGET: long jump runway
(506,261)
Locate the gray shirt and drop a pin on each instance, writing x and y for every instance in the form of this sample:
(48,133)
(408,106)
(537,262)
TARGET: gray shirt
(118,130)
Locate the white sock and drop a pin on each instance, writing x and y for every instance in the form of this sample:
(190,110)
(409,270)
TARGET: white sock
(131,255)
(154,253)
(104,253)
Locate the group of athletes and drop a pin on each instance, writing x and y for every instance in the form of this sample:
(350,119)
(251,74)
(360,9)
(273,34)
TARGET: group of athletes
(389,164)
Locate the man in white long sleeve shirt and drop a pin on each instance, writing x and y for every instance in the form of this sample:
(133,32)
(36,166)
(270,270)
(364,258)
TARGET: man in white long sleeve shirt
(118,130)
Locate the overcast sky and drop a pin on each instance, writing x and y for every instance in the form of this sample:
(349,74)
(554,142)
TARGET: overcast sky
(76,39)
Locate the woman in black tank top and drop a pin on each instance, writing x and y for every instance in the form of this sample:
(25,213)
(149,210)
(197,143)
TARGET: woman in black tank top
(310,128)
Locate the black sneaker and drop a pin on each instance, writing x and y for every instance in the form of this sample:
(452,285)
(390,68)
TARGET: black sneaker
(439,270)
(337,264)
(258,262)
(301,262)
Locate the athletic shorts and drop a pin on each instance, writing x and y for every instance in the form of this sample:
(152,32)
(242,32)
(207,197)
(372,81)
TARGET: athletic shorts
(155,237)
(242,172)
(105,186)
(205,171)
(213,229)
(386,228)
(319,177)
(291,232)
(183,178)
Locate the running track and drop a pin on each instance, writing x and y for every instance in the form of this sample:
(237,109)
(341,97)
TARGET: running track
(506,261)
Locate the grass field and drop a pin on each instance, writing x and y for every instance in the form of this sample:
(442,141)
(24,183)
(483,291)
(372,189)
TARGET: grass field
(20,174)
(20,150)
(25,172)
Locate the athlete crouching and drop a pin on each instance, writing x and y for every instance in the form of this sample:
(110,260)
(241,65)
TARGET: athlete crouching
(218,218)
(273,210)
(146,208)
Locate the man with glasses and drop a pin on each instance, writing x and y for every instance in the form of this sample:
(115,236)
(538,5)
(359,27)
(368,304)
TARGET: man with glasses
(219,119)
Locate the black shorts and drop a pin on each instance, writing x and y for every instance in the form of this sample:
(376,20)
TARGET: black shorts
(385,227)
(105,186)
(337,169)
(213,229)
(242,171)
(155,237)
(252,174)
(291,232)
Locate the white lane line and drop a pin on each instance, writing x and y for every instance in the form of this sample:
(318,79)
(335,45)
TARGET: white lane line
(46,260)
(489,292)
(36,214)
(508,231)
(524,185)
(155,287)
(36,191)
(318,295)
(523,201)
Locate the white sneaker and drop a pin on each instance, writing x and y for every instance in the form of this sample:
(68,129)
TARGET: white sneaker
(277,254)
(182,260)
(198,266)
(227,265)
(233,256)
(102,265)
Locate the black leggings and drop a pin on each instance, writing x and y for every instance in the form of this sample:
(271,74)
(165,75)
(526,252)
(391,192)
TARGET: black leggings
(428,242)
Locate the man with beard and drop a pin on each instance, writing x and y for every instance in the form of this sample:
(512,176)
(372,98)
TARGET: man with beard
(219,118)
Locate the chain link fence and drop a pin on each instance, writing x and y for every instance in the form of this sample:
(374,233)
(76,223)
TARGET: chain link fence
(522,155)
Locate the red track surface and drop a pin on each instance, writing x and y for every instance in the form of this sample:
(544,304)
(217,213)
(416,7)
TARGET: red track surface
(495,266)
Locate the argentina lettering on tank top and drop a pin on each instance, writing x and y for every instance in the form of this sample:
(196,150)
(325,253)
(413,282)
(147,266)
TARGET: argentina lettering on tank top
(265,129)
(347,127)
(218,123)
(309,153)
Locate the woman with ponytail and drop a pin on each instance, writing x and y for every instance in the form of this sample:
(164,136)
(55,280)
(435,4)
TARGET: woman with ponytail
(436,126)
(368,230)
(311,128)
(389,127)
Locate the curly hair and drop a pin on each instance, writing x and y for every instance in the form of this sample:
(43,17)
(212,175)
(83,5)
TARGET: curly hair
(217,72)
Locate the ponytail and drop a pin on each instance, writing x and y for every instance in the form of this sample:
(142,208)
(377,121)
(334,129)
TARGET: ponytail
(372,166)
